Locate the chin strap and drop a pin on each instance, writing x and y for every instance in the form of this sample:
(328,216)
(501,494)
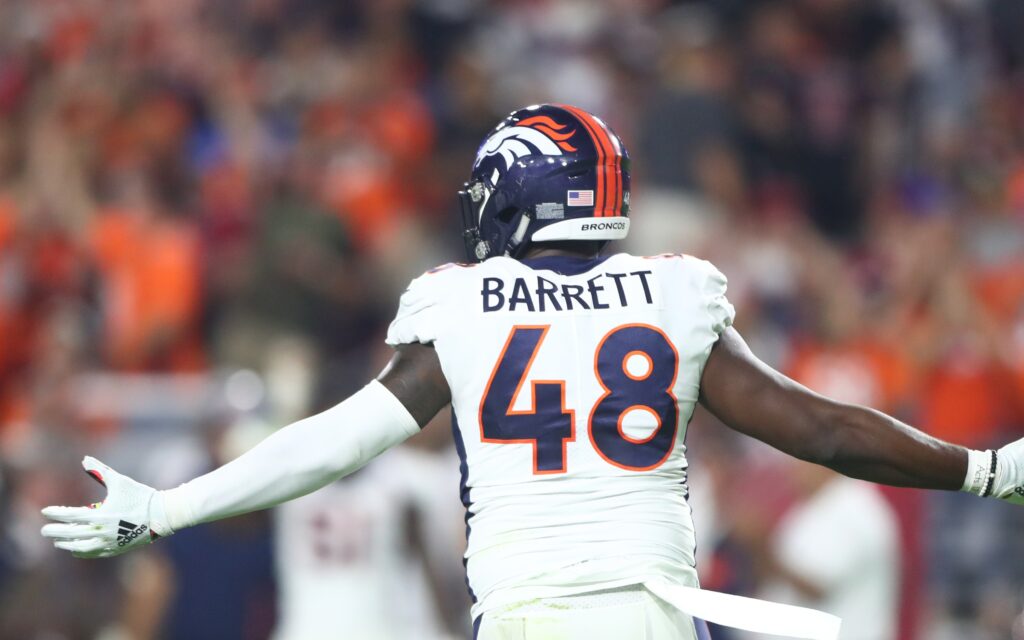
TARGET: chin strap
(516,241)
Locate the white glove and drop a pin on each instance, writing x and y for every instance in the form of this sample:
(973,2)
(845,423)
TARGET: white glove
(130,517)
(1009,481)
(997,474)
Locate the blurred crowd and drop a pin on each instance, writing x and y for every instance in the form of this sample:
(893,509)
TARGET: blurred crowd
(209,207)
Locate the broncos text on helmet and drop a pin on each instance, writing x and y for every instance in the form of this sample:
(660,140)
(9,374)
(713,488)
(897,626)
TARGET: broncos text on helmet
(545,173)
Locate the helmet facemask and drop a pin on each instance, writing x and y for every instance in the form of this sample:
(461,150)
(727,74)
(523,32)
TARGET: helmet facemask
(547,173)
(503,230)
(472,199)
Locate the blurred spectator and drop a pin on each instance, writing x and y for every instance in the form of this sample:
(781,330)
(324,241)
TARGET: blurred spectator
(149,278)
(836,550)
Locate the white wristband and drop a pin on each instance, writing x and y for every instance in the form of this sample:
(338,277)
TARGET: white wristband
(295,460)
(981,472)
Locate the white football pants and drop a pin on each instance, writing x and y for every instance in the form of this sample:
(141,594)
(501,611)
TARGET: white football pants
(629,613)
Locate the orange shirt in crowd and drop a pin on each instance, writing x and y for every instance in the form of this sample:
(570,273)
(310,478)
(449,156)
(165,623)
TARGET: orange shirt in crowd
(860,371)
(371,187)
(1000,289)
(151,290)
(965,398)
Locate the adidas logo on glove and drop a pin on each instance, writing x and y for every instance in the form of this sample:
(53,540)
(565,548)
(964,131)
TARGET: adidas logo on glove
(132,515)
(126,532)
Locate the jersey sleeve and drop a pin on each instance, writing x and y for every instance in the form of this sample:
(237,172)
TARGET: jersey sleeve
(712,284)
(416,320)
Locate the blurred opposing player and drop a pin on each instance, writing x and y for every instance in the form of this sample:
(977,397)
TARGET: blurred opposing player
(348,553)
(572,377)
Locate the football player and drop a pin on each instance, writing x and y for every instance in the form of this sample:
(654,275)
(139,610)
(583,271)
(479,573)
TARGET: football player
(572,376)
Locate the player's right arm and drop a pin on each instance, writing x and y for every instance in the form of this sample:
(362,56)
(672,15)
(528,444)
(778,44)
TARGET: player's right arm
(752,398)
(296,460)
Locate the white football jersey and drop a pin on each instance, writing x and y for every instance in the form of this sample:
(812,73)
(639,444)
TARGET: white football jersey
(572,384)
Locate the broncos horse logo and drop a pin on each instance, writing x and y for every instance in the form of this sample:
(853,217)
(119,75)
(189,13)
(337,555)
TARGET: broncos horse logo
(539,135)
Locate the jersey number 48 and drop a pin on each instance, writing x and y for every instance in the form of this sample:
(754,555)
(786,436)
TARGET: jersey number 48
(549,425)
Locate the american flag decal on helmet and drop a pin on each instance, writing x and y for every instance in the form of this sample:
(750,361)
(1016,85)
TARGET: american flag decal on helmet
(579,198)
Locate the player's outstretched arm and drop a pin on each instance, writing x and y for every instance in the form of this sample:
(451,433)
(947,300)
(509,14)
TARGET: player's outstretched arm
(752,398)
(294,461)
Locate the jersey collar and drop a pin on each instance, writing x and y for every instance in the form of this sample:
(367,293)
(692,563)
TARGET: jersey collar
(565,265)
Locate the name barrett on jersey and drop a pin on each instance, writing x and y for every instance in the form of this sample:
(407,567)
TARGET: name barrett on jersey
(537,293)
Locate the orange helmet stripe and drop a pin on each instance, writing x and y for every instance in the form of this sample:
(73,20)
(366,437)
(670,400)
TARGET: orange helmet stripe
(617,204)
(599,145)
(607,153)
(616,168)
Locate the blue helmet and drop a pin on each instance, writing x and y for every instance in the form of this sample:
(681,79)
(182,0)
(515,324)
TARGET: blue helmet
(545,173)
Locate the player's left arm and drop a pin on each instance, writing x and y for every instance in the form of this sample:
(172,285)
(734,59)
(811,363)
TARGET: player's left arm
(297,459)
(752,398)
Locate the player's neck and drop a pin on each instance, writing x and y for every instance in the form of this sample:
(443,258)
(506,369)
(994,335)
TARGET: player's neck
(583,250)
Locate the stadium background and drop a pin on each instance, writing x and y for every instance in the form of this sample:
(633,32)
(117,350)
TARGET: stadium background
(209,208)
